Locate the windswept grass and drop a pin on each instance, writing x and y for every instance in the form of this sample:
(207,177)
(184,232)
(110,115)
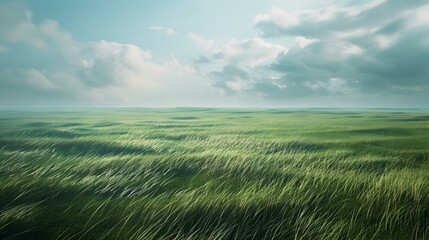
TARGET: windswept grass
(214,174)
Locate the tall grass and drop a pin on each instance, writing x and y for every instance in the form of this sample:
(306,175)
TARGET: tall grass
(214,174)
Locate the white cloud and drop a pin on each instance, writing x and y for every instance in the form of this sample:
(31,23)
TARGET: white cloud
(358,32)
(125,72)
(334,85)
(235,65)
(169,31)
(239,85)
(115,63)
(384,41)
(156,28)
(207,44)
(249,52)
(278,16)
(16,26)
(304,42)
(418,17)
(246,52)
(166,30)
(326,21)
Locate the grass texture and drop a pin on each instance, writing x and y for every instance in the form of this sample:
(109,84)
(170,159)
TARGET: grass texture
(195,173)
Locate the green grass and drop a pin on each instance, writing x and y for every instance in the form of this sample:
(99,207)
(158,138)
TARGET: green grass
(124,173)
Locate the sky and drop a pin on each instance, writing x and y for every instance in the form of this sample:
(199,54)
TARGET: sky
(193,53)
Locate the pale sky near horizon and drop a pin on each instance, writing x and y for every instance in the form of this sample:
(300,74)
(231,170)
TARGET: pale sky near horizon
(243,53)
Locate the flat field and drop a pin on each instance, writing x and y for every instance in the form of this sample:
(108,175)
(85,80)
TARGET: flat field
(194,173)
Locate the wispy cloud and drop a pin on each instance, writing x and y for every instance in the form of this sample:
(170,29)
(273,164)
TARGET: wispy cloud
(166,30)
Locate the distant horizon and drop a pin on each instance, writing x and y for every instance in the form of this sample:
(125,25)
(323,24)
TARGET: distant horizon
(226,107)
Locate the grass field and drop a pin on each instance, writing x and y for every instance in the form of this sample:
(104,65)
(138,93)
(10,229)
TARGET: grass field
(124,173)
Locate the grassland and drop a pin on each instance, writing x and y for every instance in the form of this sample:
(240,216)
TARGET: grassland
(123,173)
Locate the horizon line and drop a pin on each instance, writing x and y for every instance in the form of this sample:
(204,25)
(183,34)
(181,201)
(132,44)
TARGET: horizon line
(212,107)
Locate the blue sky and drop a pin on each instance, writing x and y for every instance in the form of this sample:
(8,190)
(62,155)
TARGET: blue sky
(221,53)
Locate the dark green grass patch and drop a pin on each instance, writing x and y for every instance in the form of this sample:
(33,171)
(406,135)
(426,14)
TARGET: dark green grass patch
(416,118)
(38,124)
(385,131)
(105,124)
(184,118)
(47,133)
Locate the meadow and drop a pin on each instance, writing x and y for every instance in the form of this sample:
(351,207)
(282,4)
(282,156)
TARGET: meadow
(196,173)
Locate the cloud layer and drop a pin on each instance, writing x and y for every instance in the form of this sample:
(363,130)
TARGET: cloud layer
(98,73)
(373,54)
(378,50)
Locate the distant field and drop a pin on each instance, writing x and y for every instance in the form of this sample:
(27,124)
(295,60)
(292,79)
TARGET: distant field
(135,173)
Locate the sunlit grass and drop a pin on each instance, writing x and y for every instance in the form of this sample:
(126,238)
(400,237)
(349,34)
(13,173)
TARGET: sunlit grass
(214,174)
